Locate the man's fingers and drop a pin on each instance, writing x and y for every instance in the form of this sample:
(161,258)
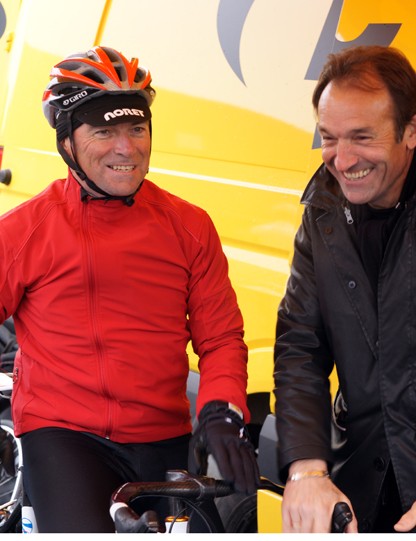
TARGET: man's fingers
(407,521)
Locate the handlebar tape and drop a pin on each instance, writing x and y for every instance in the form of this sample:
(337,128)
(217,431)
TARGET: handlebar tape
(341,517)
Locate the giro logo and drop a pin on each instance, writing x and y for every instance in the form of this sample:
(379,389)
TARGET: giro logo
(75,98)
(122,112)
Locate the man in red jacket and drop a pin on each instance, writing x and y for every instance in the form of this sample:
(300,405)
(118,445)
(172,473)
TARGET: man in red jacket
(108,277)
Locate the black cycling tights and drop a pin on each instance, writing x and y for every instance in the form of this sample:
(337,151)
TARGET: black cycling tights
(69,476)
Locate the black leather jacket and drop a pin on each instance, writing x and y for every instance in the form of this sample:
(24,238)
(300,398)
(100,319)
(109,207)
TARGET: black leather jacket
(329,314)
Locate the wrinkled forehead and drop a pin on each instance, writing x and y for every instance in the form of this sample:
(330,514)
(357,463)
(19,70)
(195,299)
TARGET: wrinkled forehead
(355,94)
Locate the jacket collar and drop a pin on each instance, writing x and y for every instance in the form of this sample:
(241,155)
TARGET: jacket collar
(323,190)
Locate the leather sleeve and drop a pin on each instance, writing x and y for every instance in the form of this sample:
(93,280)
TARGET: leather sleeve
(303,362)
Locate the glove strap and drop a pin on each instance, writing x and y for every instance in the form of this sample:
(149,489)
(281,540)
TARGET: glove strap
(236,410)
(218,408)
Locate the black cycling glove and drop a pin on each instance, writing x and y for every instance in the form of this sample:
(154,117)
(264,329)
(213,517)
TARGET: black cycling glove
(221,433)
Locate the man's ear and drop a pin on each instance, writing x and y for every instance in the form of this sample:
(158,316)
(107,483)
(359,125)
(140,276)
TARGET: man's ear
(410,133)
(67,145)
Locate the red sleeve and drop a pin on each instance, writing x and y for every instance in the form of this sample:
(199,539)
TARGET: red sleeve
(216,325)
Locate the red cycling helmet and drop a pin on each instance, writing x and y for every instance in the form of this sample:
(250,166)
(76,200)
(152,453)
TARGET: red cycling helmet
(85,76)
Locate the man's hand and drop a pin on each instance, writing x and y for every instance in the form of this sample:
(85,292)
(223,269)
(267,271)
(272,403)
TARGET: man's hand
(408,520)
(221,433)
(308,503)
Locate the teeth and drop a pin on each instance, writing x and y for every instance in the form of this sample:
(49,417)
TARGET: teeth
(357,174)
(122,167)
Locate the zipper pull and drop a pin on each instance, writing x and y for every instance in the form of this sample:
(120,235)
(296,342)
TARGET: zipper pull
(348,215)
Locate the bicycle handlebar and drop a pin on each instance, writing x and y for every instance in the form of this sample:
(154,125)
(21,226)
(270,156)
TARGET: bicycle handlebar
(179,484)
(341,517)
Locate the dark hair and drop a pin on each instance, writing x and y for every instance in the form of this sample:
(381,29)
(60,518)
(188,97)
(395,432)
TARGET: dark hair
(373,68)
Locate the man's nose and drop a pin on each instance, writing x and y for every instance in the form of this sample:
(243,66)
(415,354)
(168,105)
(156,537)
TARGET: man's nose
(345,157)
(124,144)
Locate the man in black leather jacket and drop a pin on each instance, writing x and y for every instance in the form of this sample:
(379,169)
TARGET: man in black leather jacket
(351,301)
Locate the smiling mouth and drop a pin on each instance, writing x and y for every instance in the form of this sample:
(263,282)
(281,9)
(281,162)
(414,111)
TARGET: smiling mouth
(357,175)
(122,168)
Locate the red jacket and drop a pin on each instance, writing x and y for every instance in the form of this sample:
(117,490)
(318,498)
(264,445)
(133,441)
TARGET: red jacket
(105,299)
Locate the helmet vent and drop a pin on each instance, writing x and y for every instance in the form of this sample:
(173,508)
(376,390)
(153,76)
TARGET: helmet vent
(94,76)
(120,73)
(140,75)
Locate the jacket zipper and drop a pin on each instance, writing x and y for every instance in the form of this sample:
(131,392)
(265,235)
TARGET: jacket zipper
(348,215)
(92,302)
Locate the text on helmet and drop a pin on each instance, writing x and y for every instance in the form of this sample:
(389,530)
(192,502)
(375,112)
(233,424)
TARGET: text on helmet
(75,98)
(121,112)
